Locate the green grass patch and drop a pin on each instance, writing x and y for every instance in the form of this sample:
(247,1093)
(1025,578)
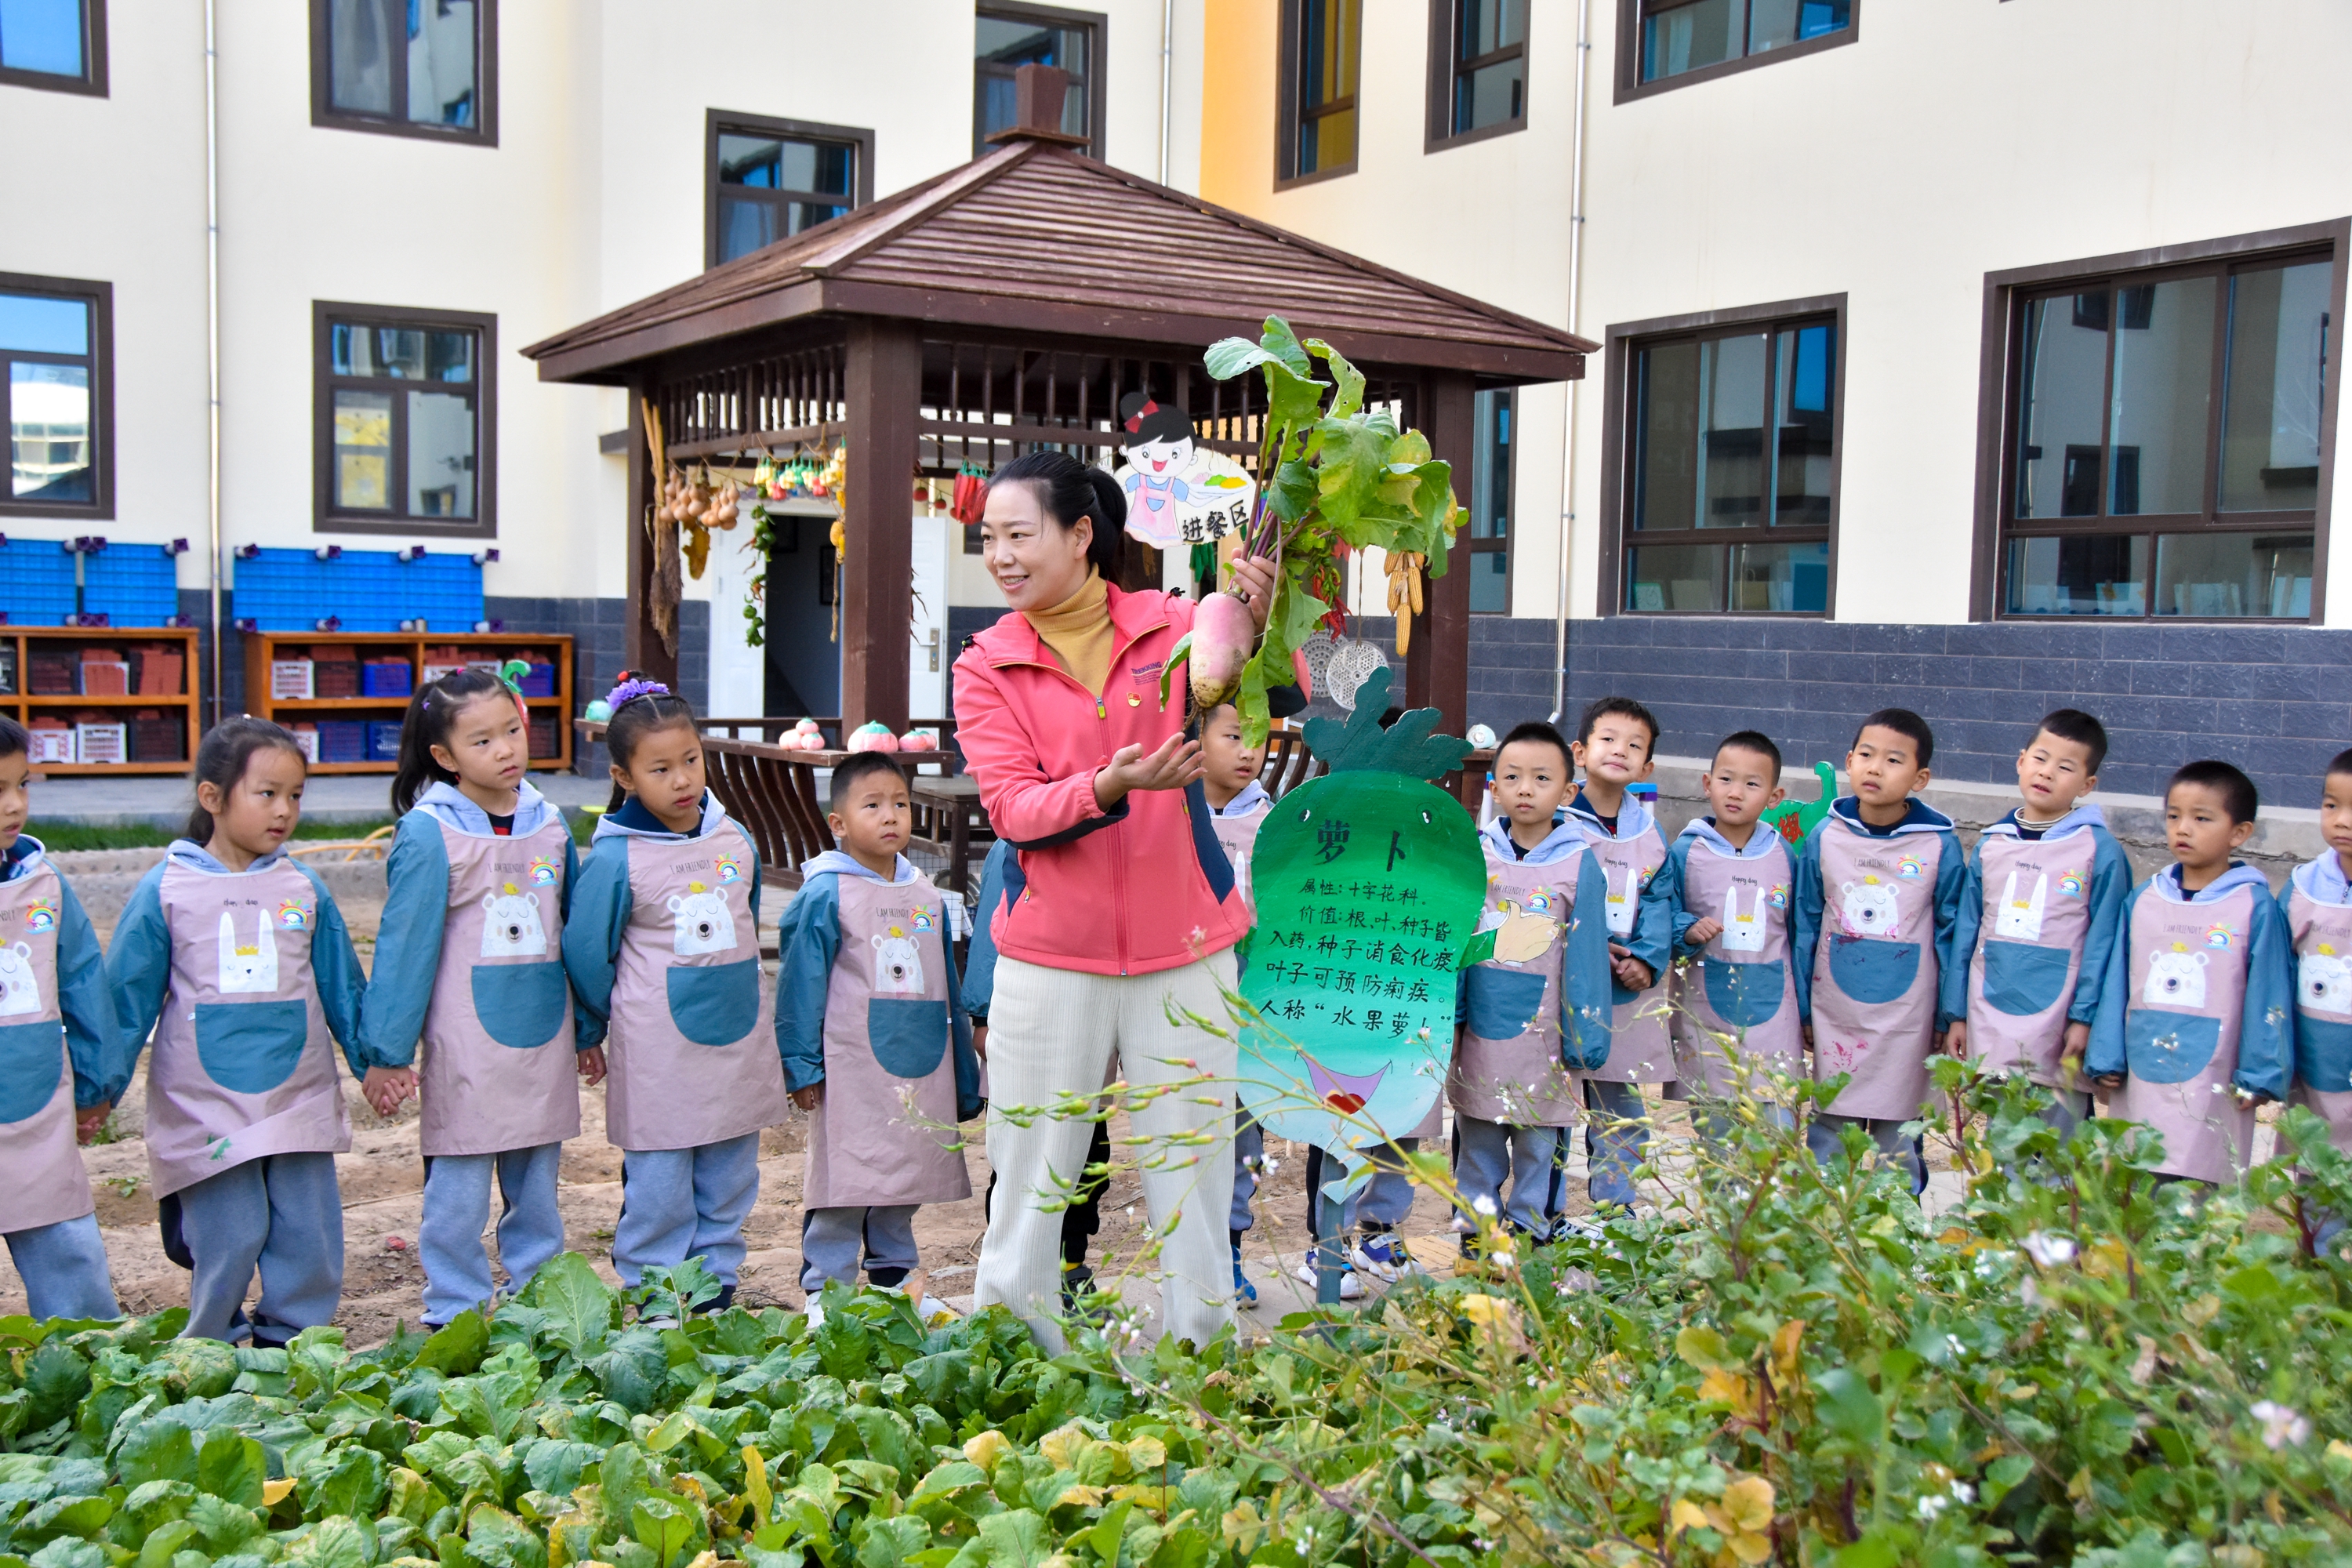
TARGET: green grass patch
(59,838)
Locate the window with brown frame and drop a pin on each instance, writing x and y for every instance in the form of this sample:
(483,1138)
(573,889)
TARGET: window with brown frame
(1011,36)
(1662,44)
(406,68)
(1726,498)
(1479,69)
(57,396)
(1493,423)
(407,415)
(1322,60)
(59,46)
(2164,441)
(769,179)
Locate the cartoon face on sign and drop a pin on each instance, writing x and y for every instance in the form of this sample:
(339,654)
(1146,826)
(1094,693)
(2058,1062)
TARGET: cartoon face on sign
(1870,908)
(1176,492)
(2324,982)
(19,992)
(2176,979)
(701,922)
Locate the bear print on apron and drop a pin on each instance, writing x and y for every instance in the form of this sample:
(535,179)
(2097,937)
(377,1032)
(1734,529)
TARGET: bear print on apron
(36,1092)
(1874,984)
(1640,1050)
(1507,1068)
(243,1065)
(2323,1008)
(885,1133)
(2180,1033)
(2021,979)
(1737,996)
(499,1071)
(692,1058)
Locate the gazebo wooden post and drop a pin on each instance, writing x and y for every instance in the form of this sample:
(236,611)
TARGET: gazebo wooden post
(642,648)
(883,390)
(1437,665)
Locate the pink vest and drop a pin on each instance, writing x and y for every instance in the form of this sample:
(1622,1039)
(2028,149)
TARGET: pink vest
(1874,988)
(1507,1068)
(2029,957)
(1639,1049)
(885,1133)
(1737,998)
(243,1065)
(46,1180)
(499,1071)
(2180,1033)
(2323,1010)
(692,1053)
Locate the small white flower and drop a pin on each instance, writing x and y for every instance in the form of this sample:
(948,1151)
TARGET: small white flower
(2050,1249)
(1954,1341)
(2029,1292)
(1483,1204)
(1505,1257)
(2281,1426)
(1963,1492)
(1933,1506)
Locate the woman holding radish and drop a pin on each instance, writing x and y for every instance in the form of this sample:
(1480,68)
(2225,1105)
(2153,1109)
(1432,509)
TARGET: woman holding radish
(1129,909)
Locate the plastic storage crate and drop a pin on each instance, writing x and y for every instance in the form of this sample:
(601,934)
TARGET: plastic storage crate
(365,590)
(53,741)
(539,680)
(102,743)
(55,672)
(383,742)
(158,737)
(37,583)
(387,678)
(544,739)
(342,741)
(131,585)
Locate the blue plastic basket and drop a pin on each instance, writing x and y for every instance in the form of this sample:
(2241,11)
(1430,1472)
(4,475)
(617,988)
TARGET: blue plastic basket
(365,590)
(130,586)
(37,583)
(383,741)
(342,741)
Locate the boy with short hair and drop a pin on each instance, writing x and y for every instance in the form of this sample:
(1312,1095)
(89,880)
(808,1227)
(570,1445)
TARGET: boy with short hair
(875,1048)
(2039,913)
(1877,911)
(1535,1013)
(1616,747)
(2317,903)
(1726,881)
(2195,1032)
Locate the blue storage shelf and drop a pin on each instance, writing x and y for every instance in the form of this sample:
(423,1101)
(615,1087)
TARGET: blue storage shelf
(366,590)
(130,586)
(37,583)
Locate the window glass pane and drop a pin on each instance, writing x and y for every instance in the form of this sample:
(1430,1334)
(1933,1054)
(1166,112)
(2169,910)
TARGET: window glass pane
(1327,141)
(2278,367)
(440,455)
(751,160)
(449,356)
(1490,466)
(1491,95)
(808,214)
(1731,434)
(1326,75)
(2094,575)
(1772,23)
(441,61)
(41,36)
(1490,583)
(1689,36)
(359,63)
(1491,24)
(823,167)
(2233,575)
(1004,43)
(744,225)
(1665,437)
(1686,577)
(2163,394)
(1780,579)
(1804,373)
(48,433)
(362,451)
(2061,383)
(44,324)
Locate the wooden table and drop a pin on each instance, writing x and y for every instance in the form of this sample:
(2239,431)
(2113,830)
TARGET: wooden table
(947,809)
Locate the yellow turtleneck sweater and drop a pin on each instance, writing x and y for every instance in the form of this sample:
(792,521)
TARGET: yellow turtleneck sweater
(1078,631)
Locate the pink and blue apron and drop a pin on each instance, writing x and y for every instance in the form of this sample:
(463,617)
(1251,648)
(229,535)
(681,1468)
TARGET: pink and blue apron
(45,1176)
(1736,998)
(1508,1066)
(2029,956)
(1874,978)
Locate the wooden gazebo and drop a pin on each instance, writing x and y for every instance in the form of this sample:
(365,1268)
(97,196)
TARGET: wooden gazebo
(1007,305)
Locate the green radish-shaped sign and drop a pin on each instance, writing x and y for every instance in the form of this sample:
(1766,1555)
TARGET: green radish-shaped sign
(1369,884)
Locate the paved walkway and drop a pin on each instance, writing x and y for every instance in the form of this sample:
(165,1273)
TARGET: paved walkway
(102,802)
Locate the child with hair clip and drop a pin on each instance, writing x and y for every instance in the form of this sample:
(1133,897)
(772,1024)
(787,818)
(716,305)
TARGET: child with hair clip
(236,957)
(469,961)
(57,1051)
(662,947)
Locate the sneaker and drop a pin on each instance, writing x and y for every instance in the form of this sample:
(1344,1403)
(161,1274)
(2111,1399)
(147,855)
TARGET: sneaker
(1351,1288)
(1242,1289)
(1383,1254)
(1076,1280)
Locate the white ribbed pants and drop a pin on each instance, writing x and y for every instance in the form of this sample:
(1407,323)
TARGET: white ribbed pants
(1051,1034)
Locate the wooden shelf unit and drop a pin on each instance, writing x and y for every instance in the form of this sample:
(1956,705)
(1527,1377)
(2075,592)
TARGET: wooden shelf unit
(263,649)
(21,706)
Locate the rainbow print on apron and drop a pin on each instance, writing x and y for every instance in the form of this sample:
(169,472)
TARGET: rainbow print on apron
(2029,956)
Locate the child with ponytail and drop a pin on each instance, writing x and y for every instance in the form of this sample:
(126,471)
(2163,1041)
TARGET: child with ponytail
(663,948)
(236,957)
(470,962)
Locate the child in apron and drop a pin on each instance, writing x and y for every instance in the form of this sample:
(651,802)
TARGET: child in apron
(1617,740)
(235,957)
(469,960)
(2044,898)
(2196,1028)
(2317,902)
(1878,899)
(662,943)
(58,1056)
(1728,881)
(875,1048)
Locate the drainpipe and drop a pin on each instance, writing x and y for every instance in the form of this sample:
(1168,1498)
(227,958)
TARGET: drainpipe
(1575,315)
(1167,79)
(212,337)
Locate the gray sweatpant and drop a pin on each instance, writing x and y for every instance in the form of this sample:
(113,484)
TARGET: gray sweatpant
(677,1204)
(458,1204)
(64,1270)
(1826,1136)
(837,1243)
(1384,1201)
(1486,1155)
(281,1214)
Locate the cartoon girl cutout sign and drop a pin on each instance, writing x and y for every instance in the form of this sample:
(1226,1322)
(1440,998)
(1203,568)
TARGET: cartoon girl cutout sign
(1177,493)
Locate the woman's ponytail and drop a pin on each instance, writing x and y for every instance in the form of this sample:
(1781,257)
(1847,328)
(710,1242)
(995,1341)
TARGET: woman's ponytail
(1067,490)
